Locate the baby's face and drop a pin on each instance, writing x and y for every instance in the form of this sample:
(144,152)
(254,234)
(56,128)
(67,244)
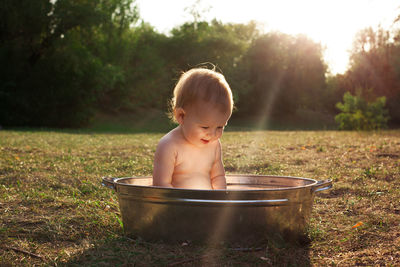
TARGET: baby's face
(203,124)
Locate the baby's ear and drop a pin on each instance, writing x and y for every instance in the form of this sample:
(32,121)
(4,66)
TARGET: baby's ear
(179,114)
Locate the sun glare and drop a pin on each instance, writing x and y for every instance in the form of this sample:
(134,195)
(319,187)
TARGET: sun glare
(333,23)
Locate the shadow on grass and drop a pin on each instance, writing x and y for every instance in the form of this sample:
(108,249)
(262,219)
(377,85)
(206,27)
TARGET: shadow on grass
(302,120)
(157,121)
(161,128)
(105,129)
(124,251)
(152,121)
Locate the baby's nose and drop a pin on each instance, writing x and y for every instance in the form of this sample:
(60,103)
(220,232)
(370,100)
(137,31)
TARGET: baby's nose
(212,132)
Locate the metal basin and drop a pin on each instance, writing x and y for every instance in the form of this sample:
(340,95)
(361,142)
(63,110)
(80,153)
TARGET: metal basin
(253,209)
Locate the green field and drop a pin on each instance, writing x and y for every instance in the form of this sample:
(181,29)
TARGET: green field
(54,211)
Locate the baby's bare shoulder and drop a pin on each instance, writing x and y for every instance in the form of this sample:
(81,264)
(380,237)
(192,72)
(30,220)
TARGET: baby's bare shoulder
(169,141)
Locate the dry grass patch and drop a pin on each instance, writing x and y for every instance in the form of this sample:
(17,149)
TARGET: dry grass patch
(53,210)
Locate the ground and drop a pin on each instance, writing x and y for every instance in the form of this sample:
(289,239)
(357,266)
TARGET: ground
(54,211)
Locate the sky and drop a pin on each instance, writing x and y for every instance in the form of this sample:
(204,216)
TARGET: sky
(333,23)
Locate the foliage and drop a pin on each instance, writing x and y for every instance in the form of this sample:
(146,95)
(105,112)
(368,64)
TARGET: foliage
(285,73)
(64,61)
(59,57)
(358,114)
(143,70)
(222,45)
(333,94)
(374,63)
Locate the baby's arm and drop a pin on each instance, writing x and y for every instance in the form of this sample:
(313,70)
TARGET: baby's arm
(164,163)
(218,180)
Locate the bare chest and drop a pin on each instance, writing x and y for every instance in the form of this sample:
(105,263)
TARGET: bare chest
(191,160)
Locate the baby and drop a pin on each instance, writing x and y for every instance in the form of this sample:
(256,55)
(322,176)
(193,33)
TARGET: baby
(189,156)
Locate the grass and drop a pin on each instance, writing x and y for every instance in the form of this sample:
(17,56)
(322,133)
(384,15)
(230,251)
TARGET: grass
(53,210)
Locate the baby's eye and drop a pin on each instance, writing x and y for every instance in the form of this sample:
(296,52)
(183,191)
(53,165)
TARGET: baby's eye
(205,127)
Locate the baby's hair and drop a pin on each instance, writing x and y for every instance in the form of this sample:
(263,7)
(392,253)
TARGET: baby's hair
(201,84)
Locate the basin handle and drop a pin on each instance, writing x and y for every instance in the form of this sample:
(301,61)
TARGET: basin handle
(108,182)
(322,185)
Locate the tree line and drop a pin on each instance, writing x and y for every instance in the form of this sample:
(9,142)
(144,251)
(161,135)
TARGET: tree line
(64,60)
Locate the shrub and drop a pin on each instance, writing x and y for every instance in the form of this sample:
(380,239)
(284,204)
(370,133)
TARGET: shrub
(358,114)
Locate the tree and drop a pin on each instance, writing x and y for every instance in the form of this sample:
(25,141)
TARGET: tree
(223,45)
(375,64)
(57,61)
(148,82)
(285,73)
(197,12)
